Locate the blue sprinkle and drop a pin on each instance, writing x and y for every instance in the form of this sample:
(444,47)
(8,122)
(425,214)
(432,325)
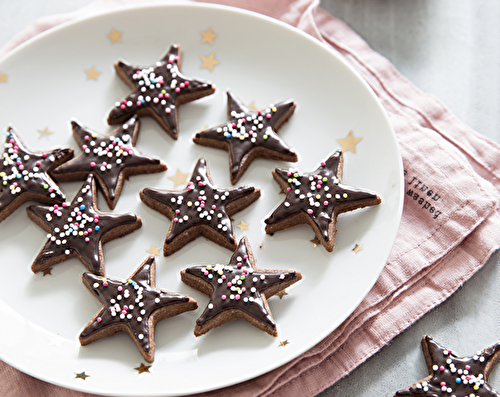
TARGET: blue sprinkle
(97,228)
(82,207)
(458,380)
(143,101)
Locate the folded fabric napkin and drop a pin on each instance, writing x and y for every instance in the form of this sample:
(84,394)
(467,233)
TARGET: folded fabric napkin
(450,224)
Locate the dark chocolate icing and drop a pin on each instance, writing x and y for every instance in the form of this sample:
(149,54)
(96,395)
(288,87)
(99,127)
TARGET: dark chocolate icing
(130,303)
(201,204)
(455,376)
(26,173)
(239,285)
(247,130)
(160,89)
(319,194)
(109,158)
(78,228)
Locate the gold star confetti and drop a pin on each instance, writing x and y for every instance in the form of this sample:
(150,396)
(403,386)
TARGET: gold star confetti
(242,226)
(281,294)
(154,250)
(349,143)
(3,78)
(143,368)
(115,36)
(357,248)
(284,343)
(203,129)
(92,73)
(179,178)
(81,375)
(208,36)
(47,272)
(44,132)
(252,106)
(315,242)
(209,62)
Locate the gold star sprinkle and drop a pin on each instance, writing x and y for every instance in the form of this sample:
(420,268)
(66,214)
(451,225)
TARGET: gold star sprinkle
(284,343)
(349,143)
(208,36)
(252,106)
(315,242)
(203,129)
(47,272)
(209,62)
(3,78)
(81,375)
(44,132)
(242,226)
(115,36)
(154,250)
(92,73)
(143,368)
(179,178)
(357,248)
(281,294)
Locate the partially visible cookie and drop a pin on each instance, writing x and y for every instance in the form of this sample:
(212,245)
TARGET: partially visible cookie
(250,134)
(78,229)
(453,376)
(158,91)
(110,158)
(316,199)
(238,290)
(134,306)
(202,209)
(24,175)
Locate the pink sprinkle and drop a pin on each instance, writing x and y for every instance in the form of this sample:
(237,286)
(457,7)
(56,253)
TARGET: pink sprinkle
(186,83)
(289,173)
(223,297)
(86,137)
(177,89)
(229,284)
(443,383)
(105,283)
(85,233)
(167,95)
(223,277)
(87,239)
(56,206)
(44,155)
(238,264)
(205,273)
(200,183)
(92,164)
(237,297)
(467,367)
(124,311)
(181,85)
(268,115)
(168,110)
(139,103)
(214,206)
(325,203)
(99,319)
(160,95)
(84,147)
(177,211)
(38,163)
(441,368)
(245,257)
(104,164)
(176,220)
(310,211)
(125,307)
(288,189)
(119,288)
(51,189)
(122,106)
(323,163)
(243,289)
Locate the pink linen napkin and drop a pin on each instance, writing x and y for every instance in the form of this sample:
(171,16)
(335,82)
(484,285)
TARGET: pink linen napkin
(450,223)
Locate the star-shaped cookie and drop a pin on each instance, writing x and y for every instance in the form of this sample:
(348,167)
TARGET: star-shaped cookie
(201,209)
(316,199)
(134,306)
(24,175)
(238,290)
(453,376)
(249,134)
(111,159)
(158,90)
(78,229)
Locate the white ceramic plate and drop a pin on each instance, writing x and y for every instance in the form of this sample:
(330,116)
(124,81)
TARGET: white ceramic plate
(261,60)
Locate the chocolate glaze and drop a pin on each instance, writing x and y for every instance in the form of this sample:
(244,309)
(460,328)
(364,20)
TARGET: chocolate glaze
(239,285)
(78,228)
(455,376)
(247,130)
(108,158)
(130,303)
(26,173)
(159,89)
(201,204)
(319,194)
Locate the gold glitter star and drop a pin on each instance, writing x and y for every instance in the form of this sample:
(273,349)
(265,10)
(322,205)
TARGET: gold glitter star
(349,143)
(252,106)
(209,62)
(44,132)
(81,375)
(242,226)
(143,368)
(154,250)
(115,36)
(92,73)
(179,178)
(208,36)
(47,272)
(281,294)
(3,78)
(357,248)
(284,343)
(315,242)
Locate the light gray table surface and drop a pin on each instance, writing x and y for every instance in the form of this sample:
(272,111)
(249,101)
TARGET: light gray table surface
(450,49)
